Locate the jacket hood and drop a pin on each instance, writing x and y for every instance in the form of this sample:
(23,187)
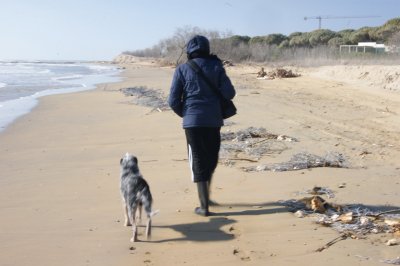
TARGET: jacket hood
(199,44)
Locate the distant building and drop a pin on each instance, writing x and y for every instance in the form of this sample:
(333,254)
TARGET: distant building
(364,47)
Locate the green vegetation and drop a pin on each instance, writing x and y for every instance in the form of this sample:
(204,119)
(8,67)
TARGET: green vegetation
(319,44)
(381,34)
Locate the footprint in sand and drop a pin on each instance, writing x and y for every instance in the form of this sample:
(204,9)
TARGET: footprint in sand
(241,254)
(147,261)
(234,231)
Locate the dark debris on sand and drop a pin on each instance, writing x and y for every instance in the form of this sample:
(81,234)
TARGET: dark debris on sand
(144,96)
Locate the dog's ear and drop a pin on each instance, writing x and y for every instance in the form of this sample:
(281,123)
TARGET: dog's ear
(120,161)
(135,159)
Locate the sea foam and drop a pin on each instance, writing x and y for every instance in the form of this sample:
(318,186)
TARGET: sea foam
(25,83)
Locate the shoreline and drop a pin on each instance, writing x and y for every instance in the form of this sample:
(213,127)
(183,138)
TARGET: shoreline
(60,175)
(14,108)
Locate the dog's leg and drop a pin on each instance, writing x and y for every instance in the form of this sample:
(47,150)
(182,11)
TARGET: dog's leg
(133,222)
(139,213)
(148,227)
(127,220)
(147,207)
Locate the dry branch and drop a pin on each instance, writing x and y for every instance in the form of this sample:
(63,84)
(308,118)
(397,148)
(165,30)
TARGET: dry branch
(332,242)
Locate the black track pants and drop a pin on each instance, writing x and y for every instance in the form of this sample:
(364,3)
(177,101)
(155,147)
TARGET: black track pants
(203,148)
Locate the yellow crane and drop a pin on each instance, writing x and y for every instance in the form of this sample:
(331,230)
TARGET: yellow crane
(320,18)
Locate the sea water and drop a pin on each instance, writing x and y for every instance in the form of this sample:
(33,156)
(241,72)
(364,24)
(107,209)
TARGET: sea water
(22,83)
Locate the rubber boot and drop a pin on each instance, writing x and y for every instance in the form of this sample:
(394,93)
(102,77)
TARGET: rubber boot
(202,189)
(210,201)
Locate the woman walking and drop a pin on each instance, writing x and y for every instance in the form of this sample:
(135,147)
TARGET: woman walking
(192,99)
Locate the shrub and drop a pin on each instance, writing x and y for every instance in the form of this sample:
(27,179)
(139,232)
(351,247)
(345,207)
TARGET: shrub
(275,39)
(336,41)
(321,37)
(320,45)
(301,40)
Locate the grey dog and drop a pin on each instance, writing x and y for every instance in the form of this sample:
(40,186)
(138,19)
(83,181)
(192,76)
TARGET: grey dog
(135,194)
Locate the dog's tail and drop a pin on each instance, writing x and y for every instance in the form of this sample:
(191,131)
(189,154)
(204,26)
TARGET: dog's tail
(154,213)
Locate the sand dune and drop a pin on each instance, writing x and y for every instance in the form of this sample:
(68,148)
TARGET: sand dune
(376,76)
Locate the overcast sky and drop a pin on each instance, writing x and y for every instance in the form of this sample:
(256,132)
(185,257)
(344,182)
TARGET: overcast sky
(101,29)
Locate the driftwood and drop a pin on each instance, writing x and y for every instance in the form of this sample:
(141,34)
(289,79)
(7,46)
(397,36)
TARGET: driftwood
(352,219)
(242,159)
(276,73)
(318,204)
(282,73)
(333,241)
(384,212)
(261,73)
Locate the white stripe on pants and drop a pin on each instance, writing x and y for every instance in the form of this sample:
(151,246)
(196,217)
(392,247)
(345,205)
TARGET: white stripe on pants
(191,161)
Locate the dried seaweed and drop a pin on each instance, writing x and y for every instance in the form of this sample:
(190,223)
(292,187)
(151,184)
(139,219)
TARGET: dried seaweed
(276,73)
(253,142)
(282,73)
(354,219)
(147,97)
(303,160)
(395,261)
(321,191)
(252,133)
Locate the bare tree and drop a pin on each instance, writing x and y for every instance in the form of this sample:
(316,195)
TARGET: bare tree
(175,46)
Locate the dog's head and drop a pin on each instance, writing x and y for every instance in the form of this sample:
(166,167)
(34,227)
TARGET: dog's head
(129,162)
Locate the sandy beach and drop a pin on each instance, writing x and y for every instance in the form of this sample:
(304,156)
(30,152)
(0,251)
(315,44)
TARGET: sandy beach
(59,173)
